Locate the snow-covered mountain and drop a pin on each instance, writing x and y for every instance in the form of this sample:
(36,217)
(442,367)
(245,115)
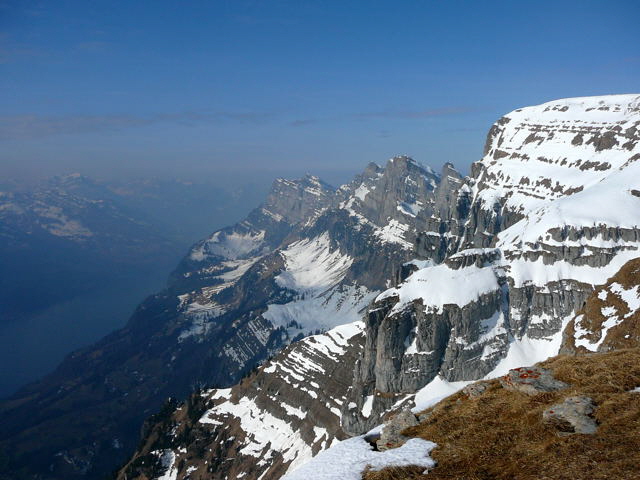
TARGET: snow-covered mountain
(528,256)
(308,259)
(503,260)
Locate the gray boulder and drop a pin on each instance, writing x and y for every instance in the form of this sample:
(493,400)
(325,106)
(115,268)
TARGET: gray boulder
(531,380)
(391,436)
(572,416)
(475,389)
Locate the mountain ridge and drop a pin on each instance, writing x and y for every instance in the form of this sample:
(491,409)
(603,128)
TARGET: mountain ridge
(513,316)
(234,303)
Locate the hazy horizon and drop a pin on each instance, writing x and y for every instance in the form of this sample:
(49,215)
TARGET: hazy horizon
(230,90)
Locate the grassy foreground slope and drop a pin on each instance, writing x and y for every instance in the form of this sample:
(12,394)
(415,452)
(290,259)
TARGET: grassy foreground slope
(500,434)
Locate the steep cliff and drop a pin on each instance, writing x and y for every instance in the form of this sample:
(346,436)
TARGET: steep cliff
(540,233)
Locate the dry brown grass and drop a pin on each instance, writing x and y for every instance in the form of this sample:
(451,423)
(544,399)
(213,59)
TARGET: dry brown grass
(394,473)
(500,435)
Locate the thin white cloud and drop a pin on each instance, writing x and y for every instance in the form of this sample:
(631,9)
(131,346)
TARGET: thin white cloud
(28,126)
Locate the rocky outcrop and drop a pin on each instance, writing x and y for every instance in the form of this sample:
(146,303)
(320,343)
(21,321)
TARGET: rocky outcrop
(475,389)
(531,380)
(391,436)
(573,415)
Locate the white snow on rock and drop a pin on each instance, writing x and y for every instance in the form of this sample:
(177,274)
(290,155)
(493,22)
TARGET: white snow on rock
(338,306)
(167,460)
(583,209)
(312,266)
(230,246)
(361,192)
(315,271)
(329,345)
(580,333)
(199,307)
(536,156)
(394,232)
(263,430)
(436,390)
(200,315)
(527,351)
(270,433)
(630,296)
(366,407)
(411,209)
(347,460)
(441,285)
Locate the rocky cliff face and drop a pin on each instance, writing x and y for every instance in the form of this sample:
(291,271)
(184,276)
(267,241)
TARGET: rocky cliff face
(539,234)
(503,260)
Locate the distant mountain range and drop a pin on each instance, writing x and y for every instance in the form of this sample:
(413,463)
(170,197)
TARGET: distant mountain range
(71,234)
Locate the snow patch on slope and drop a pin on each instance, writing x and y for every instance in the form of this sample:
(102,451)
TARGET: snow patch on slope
(312,266)
(269,433)
(230,246)
(583,209)
(436,390)
(338,306)
(630,296)
(331,344)
(265,433)
(394,232)
(167,461)
(440,285)
(547,151)
(200,307)
(614,317)
(347,460)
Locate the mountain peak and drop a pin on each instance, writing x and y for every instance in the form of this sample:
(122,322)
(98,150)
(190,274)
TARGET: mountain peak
(448,170)
(558,148)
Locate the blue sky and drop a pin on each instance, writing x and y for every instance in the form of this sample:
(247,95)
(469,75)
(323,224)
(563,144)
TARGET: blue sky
(224,88)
